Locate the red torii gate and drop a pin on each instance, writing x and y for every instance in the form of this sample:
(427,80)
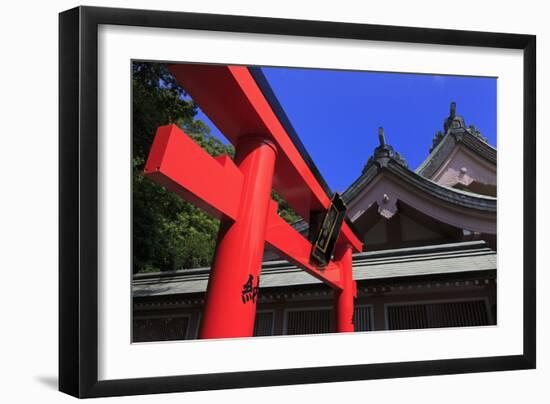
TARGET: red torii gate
(239,194)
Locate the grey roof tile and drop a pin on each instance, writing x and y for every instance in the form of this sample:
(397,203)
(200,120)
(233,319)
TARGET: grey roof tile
(405,262)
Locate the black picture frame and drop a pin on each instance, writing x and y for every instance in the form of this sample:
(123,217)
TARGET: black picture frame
(78,201)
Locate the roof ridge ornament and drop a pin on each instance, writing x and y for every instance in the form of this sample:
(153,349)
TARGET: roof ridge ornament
(454,121)
(381,137)
(456,125)
(383,153)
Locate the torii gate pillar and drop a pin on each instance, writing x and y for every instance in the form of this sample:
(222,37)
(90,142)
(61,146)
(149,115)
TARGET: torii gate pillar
(345,296)
(232,293)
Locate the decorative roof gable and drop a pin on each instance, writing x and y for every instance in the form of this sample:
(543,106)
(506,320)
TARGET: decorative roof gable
(455,132)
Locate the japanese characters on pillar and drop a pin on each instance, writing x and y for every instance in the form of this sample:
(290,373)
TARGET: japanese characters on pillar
(239,194)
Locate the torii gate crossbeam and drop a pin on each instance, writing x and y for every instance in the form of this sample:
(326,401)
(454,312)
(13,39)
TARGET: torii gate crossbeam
(239,193)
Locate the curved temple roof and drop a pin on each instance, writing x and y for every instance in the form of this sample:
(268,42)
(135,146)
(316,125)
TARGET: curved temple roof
(455,133)
(425,185)
(386,179)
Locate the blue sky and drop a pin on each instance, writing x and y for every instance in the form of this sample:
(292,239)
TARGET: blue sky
(337,113)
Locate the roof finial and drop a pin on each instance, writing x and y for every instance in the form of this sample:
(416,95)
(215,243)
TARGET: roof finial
(381,137)
(454,122)
(383,153)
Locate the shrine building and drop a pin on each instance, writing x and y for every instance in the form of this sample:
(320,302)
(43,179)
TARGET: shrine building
(429,258)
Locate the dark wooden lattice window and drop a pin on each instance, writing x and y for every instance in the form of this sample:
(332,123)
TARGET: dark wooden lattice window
(263,324)
(160,329)
(363,318)
(448,314)
(308,321)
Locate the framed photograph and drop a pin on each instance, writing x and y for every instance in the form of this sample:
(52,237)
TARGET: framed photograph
(251,201)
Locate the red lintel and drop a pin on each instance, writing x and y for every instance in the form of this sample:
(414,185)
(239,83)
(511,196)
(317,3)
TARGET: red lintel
(185,168)
(231,98)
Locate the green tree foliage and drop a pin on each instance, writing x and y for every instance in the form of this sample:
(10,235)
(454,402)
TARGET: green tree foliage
(285,211)
(169,233)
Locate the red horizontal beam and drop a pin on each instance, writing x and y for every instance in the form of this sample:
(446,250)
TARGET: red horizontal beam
(183,167)
(291,245)
(231,98)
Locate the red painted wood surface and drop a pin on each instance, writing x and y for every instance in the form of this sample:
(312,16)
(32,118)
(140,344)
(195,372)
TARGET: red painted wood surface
(230,97)
(183,167)
(233,285)
(344,298)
